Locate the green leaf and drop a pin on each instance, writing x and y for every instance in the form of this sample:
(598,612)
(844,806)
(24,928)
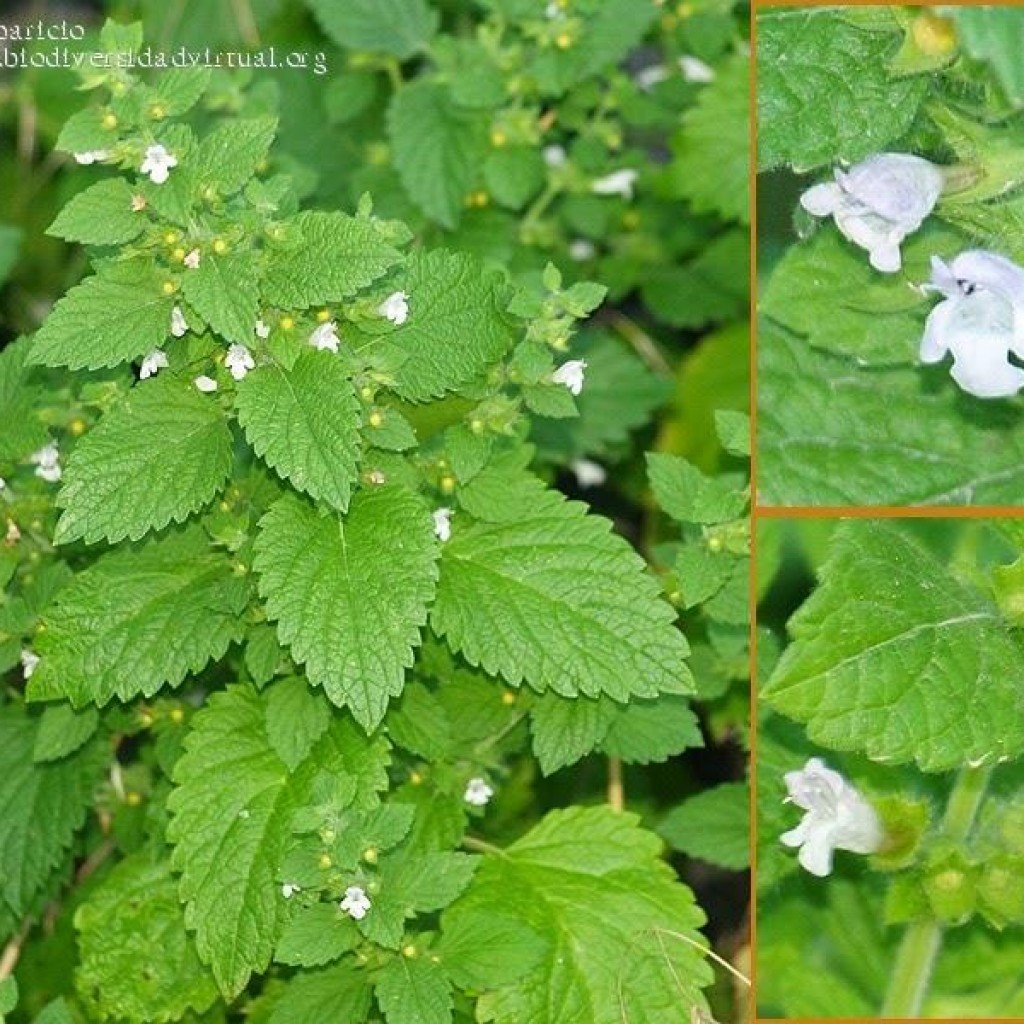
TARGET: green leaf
(157,457)
(180,89)
(514,175)
(10,247)
(138,963)
(101,215)
(304,421)
(340,993)
(894,656)
(8,995)
(316,935)
(555,599)
(296,718)
(590,886)
(995,35)
(713,825)
(350,595)
(23,431)
(563,730)
(231,824)
(229,155)
(830,433)
(62,731)
(224,291)
(139,619)
(457,324)
(824,92)
(482,951)
(42,806)
(336,257)
(118,314)
(690,496)
(712,149)
(438,148)
(414,990)
(418,723)
(399,27)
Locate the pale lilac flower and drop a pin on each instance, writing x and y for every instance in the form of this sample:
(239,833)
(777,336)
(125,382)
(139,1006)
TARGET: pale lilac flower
(152,364)
(618,183)
(979,322)
(695,70)
(443,524)
(92,156)
(47,463)
(325,337)
(478,793)
(355,902)
(588,473)
(878,202)
(29,661)
(395,308)
(239,361)
(837,817)
(192,259)
(571,374)
(158,163)
(179,325)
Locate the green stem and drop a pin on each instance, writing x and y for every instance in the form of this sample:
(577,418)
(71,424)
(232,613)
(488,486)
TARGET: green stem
(921,942)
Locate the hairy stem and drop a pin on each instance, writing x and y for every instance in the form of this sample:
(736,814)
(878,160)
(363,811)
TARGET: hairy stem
(12,951)
(480,846)
(922,940)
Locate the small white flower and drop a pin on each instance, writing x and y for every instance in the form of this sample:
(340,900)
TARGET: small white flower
(695,70)
(326,337)
(192,259)
(618,183)
(239,361)
(262,330)
(355,902)
(980,321)
(571,374)
(837,818)
(289,889)
(179,325)
(553,11)
(648,78)
(158,163)
(92,156)
(478,793)
(443,524)
(205,384)
(877,203)
(581,250)
(554,155)
(13,534)
(47,463)
(588,473)
(29,661)
(152,364)
(3,484)
(395,308)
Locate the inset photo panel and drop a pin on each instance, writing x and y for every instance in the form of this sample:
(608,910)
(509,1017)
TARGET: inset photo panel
(889,770)
(890,159)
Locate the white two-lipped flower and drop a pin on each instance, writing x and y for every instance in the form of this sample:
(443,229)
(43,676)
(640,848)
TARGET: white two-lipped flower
(478,793)
(152,364)
(325,337)
(179,325)
(205,384)
(29,661)
(355,902)
(878,202)
(92,156)
(157,163)
(289,889)
(979,322)
(192,259)
(47,463)
(588,473)
(443,524)
(837,817)
(395,308)
(239,361)
(695,70)
(618,183)
(571,374)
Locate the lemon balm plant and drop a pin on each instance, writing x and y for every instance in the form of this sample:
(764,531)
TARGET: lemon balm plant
(889,782)
(893,207)
(292,621)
